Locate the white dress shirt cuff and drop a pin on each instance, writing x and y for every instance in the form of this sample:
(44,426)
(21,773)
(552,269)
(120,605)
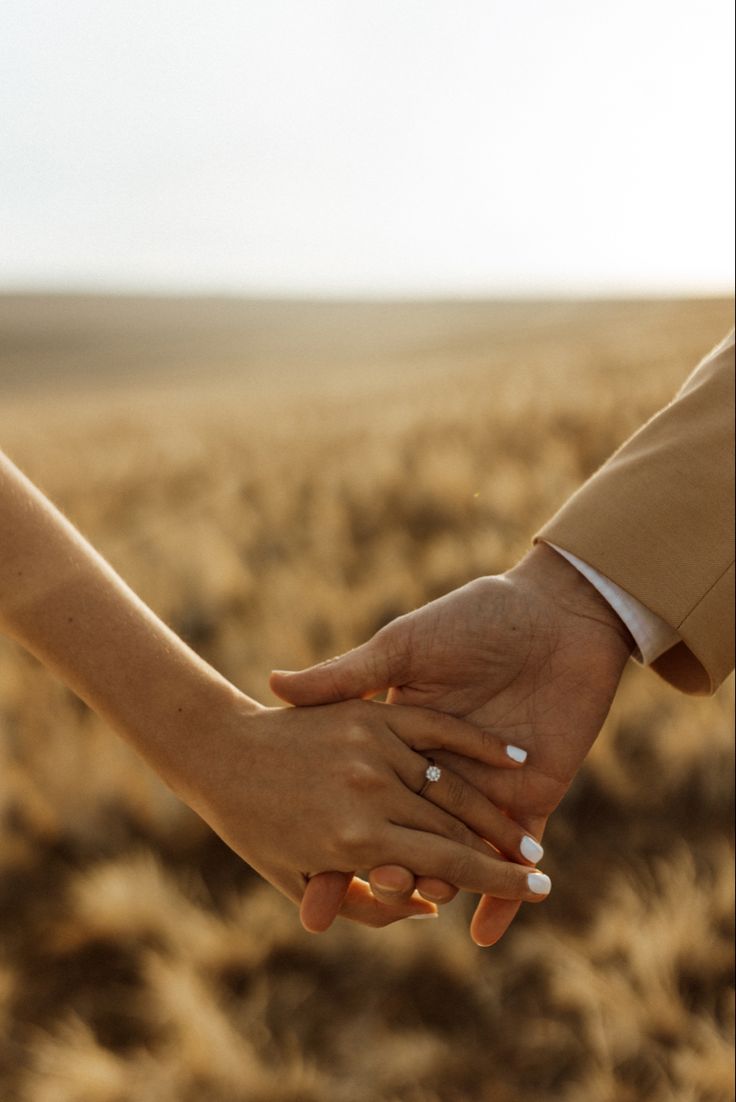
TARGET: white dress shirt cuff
(652,635)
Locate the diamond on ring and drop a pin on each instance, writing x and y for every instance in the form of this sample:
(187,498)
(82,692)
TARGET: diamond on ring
(433,772)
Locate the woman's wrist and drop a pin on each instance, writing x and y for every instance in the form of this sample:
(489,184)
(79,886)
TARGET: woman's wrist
(64,604)
(175,723)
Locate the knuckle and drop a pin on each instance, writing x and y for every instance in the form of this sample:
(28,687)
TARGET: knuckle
(363,776)
(457,793)
(390,650)
(459,869)
(386,637)
(351,838)
(488,742)
(507,878)
(458,832)
(356,735)
(512,882)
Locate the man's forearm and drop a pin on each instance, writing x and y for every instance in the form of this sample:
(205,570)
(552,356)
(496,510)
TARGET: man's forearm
(657,519)
(62,602)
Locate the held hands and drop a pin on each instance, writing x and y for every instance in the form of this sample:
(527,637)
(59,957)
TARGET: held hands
(529,657)
(299,791)
(533,656)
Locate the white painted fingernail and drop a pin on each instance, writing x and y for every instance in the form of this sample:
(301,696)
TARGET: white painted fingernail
(414,917)
(516,753)
(539,883)
(531,849)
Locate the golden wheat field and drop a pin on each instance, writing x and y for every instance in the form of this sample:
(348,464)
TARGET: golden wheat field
(278,480)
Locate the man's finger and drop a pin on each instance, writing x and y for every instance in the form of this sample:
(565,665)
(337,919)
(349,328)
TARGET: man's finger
(394,884)
(323,897)
(331,893)
(437,891)
(363,672)
(391,883)
(361,906)
(492,919)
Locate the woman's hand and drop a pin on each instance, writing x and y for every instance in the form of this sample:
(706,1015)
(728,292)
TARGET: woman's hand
(534,655)
(296,792)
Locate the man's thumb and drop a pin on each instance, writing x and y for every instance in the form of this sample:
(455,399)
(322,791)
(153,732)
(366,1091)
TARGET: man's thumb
(359,673)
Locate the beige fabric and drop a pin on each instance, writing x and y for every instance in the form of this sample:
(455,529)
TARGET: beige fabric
(658,520)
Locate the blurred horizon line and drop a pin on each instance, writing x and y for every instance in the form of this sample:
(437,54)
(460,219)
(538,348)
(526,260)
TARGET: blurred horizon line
(539,294)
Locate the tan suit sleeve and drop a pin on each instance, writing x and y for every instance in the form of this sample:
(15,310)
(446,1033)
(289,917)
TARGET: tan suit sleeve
(658,519)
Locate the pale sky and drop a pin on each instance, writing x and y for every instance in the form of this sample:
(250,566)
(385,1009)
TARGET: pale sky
(392,147)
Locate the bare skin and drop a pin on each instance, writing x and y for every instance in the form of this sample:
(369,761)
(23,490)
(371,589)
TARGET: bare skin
(347,776)
(534,656)
(294,792)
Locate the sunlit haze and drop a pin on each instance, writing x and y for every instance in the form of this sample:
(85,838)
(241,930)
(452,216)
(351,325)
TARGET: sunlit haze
(344,148)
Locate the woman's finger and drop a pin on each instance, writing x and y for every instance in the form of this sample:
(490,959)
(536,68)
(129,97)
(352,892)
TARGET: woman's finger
(464,802)
(393,883)
(463,866)
(424,729)
(505,788)
(420,814)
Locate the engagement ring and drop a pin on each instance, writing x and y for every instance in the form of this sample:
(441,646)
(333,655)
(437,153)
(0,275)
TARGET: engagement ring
(431,774)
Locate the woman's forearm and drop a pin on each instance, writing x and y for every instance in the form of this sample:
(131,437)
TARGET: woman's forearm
(293,791)
(62,602)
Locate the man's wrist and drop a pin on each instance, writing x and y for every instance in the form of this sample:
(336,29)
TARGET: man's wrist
(558,582)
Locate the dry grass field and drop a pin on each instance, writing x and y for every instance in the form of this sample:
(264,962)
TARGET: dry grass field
(277,481)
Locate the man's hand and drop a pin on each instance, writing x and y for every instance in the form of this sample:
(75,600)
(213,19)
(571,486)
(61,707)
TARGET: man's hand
(534,655)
